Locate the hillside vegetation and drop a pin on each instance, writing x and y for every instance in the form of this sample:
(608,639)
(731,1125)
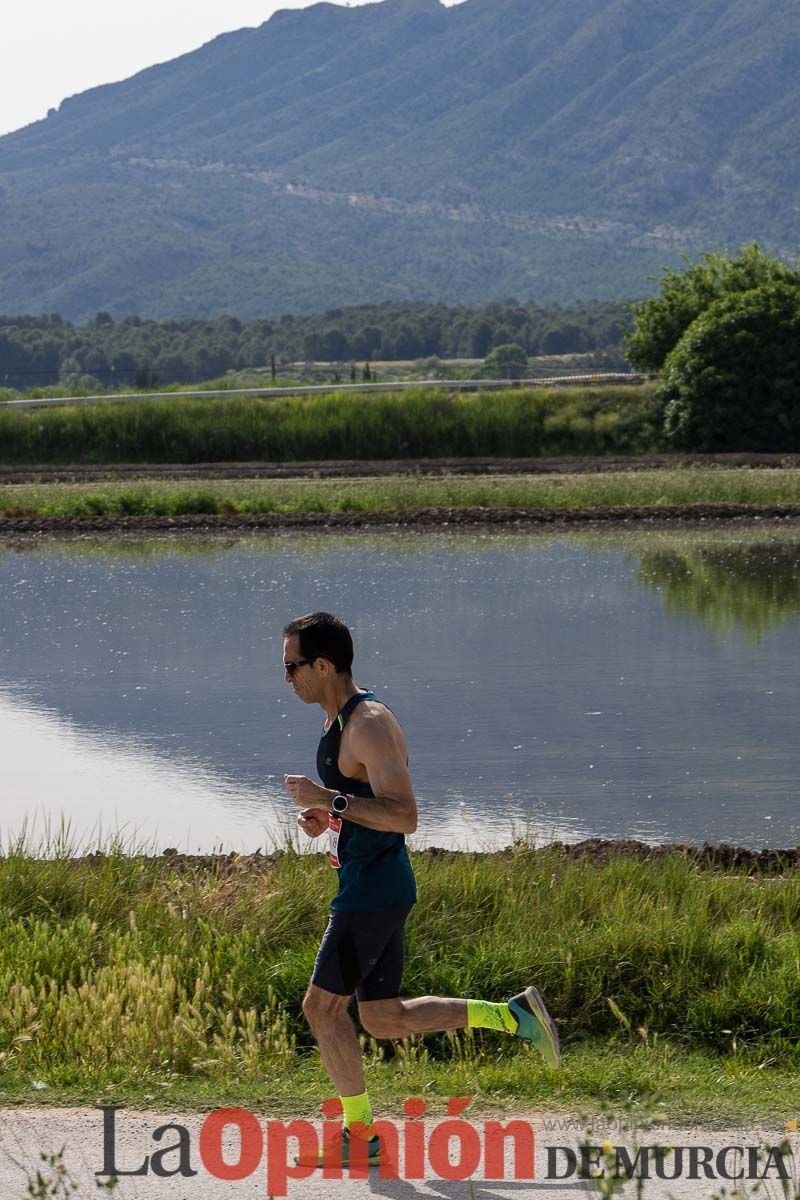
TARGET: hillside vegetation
(405,150)
(44,351)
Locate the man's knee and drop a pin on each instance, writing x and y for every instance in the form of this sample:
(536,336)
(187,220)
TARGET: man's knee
(309,1007)
(321,1007)
(382,1018)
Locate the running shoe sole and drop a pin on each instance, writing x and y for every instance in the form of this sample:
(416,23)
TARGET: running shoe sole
(535,1025)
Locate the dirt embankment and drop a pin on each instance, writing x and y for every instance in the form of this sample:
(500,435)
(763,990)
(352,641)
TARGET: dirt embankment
(355,469)
(723,858)
(28,522)
(662,515)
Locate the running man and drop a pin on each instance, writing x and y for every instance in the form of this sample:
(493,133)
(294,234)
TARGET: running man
(367,805)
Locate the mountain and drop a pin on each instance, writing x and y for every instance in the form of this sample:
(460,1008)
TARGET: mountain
(553,150)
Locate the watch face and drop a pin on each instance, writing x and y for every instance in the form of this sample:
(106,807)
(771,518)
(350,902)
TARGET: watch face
(339,803)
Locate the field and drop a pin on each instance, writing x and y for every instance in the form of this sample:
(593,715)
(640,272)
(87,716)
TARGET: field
(135,977)
(402,494)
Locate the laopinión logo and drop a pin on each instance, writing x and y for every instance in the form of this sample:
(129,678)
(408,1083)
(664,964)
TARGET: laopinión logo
(451,1149)
(744,1160)
(669,1162)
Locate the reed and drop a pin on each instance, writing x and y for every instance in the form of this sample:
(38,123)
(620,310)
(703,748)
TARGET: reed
(419,423)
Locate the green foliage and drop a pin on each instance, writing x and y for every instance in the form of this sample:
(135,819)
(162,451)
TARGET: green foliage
(37,351)
(127,969)
(508,361)
(414,491)
(733,380)
(411,424)
(660,322)
(53,1180)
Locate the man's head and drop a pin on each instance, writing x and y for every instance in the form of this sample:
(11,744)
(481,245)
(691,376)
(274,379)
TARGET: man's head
(317,649)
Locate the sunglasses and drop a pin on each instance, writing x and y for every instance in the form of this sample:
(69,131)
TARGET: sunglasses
(291,668)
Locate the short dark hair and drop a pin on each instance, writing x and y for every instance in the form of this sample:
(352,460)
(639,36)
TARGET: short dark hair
(323,635)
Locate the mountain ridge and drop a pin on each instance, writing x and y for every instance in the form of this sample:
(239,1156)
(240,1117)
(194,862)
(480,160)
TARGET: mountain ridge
(673,126)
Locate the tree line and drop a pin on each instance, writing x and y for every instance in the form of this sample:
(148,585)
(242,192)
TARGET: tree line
(37,351)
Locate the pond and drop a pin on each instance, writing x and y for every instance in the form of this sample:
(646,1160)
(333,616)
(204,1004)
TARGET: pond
(632,684)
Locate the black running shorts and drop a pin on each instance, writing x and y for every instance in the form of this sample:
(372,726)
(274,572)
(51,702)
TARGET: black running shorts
(362,952)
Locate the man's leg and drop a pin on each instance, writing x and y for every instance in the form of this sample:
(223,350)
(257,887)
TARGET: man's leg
(336,1037)
(399,1018)
(385,1014)
(341,962)
(326,1013)
(524,1016)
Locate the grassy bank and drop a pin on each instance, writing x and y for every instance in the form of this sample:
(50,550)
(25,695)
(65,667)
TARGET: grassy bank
(171,498)
(414,424)
(134,977)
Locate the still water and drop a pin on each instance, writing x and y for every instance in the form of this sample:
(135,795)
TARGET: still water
(627,685)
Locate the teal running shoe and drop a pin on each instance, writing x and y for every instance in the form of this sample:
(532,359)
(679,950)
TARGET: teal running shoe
(535,1024)
(338,1155)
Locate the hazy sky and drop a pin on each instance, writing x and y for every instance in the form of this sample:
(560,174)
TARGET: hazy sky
(53,49)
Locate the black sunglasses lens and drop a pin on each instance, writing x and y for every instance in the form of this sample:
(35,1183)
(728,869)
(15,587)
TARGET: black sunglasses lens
(291,668)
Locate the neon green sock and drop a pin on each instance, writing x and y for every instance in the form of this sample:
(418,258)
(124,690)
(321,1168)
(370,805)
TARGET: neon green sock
(357,1109)
(482,1014)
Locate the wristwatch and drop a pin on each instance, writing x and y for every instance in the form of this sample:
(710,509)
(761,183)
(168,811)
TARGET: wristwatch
(340,804)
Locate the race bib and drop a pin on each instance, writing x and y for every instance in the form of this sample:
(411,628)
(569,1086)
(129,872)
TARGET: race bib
(334,829)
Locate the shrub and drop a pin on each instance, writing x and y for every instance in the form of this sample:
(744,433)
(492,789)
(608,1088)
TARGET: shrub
(661,321)
(733,380)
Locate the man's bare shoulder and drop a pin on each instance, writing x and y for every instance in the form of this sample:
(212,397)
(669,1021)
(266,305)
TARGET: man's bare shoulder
(372,718)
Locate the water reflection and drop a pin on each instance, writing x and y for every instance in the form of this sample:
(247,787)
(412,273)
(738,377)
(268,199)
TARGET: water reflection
(752,587)
(539,683)
(108,785)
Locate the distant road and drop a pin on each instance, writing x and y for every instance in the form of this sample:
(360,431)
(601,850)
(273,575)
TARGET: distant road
(461,385)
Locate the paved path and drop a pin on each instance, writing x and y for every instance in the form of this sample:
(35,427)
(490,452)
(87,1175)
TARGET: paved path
(26,1132)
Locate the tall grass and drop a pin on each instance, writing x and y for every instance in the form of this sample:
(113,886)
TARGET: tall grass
(414,424)
(615,488)
(128,968)
(57,391)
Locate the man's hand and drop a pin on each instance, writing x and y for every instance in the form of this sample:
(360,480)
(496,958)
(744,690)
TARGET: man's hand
(313,821)
(307,794)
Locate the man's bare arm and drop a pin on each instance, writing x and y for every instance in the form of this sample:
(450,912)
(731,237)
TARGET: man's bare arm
(394,809)
(375,744)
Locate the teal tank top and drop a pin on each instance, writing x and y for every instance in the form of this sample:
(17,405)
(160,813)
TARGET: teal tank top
(373,866)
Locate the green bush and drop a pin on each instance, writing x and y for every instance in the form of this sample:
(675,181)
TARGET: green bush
(733,380)
(506,362)
(661,321)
